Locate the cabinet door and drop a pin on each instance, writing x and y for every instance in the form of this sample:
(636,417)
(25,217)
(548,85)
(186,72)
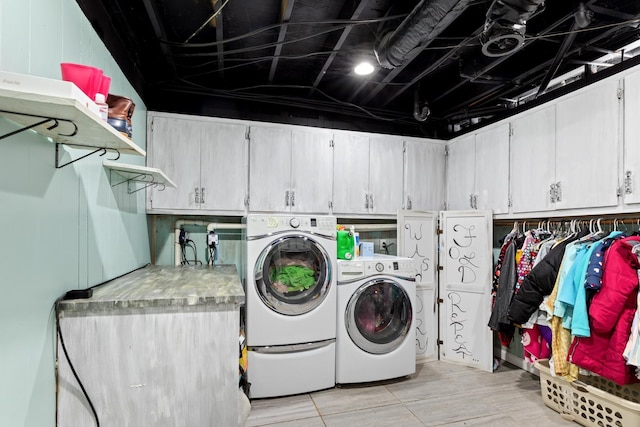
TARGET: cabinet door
(460,167)
(587,148)
(385,174)
(533,161)
(424,172)
(269,169)
(350,173)
(492,170)
(631,171)
(311,171)
(224,157)
(175,149)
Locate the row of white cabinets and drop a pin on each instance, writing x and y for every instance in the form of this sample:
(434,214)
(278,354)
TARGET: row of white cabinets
(235,167)
(563,155)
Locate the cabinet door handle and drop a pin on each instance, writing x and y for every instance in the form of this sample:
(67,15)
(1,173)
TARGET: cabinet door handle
(628,183)
(558,191)
(371,200)
(471,201)
(293,197)
(552,193)
(197,197)
(201,194)
(366,201)
(475,201)
(286,198)
(408,203)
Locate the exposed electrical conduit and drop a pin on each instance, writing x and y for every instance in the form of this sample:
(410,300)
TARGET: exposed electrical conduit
(211,226)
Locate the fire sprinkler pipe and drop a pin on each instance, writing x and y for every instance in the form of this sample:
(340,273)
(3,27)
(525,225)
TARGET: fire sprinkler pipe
(211,226)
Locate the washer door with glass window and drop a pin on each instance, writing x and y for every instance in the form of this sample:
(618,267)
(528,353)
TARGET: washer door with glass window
(293,275)
(378,316)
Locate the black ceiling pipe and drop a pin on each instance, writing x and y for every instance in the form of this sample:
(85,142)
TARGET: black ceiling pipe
(424,23)
(505,26)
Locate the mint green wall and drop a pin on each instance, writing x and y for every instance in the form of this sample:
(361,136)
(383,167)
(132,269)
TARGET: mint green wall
(63,228)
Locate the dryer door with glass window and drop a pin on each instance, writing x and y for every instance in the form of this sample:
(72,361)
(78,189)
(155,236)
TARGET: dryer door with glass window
(378,316)
(293,275)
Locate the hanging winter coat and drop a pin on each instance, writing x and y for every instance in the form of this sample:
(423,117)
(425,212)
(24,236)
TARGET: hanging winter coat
(611,313)
(538,283)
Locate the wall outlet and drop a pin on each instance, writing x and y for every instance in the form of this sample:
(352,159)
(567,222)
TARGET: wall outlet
(383,245)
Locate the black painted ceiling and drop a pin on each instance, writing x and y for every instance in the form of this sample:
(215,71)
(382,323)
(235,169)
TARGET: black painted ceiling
(291,61)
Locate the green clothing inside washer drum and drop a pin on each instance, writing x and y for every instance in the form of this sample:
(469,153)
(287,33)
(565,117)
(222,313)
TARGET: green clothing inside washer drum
(294,277)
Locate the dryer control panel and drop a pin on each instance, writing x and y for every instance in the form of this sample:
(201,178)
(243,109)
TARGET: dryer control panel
(265,224)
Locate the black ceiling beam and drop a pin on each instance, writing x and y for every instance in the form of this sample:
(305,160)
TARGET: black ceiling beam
(217,5)
(525,75)
(161,34)
(499,61)
(286,16)
(362,6)
(557,60)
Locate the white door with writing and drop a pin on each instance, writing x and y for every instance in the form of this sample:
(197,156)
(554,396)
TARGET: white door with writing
(417,240)
(465,288)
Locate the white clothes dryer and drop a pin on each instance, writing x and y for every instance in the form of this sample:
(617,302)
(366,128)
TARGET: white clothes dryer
(290,293)
(376,331)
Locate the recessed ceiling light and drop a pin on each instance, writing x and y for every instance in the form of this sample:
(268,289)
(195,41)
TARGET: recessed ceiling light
(363,68)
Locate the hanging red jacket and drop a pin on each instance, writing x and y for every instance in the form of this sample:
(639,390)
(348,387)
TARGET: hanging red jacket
(610,316)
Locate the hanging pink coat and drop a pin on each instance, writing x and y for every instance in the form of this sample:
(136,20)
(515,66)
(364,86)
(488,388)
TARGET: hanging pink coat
(610,316)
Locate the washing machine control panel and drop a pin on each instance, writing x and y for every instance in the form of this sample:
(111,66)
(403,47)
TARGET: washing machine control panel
(360,267)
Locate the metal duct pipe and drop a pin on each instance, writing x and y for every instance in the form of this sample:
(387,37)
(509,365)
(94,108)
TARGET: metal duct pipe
(423,24)
(505,26)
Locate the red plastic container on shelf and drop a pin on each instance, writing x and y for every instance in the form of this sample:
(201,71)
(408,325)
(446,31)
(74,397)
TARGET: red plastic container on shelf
(87,78)
(104,85)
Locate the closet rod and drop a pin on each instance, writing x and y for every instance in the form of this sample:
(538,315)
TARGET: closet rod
(621,219)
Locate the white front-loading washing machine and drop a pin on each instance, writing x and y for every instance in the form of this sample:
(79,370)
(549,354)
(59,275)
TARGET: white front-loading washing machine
(290,303)
(376,334)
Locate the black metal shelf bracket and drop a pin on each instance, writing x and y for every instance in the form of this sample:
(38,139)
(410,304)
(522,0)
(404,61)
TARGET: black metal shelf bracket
(151,184)
(101,150)
(44,119)
(141,177)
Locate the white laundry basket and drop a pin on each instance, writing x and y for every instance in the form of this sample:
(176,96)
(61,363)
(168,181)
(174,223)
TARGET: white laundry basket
(591,400)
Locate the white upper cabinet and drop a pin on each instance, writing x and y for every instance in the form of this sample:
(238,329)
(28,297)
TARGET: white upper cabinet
(492,169)
(460,173)
(631,170)
(386,156)
(368,171)
(351,173)
(424,175)
(478,171)
(587,147)
(311,171)
(224,160)
(533,161)
(290,170)
(174,147)
(565,156)
(207,160)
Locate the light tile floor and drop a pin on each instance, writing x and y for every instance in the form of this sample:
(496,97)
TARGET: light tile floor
(438,394)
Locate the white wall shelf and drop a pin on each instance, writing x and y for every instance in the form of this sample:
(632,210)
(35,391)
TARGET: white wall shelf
(134,173)
(59,110)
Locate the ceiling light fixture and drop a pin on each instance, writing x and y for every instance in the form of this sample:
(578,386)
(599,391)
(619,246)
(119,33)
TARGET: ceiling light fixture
(364,68)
